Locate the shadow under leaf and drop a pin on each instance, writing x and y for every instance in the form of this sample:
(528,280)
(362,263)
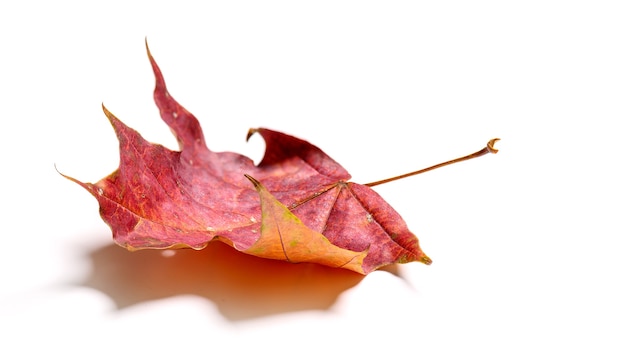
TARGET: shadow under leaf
(240,285)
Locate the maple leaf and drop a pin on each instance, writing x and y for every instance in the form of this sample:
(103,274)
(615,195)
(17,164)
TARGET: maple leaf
(295,205)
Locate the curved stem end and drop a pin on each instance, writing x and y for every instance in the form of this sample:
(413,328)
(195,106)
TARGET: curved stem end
(490,145)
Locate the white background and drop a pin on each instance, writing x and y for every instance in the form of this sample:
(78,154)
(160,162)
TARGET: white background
(527,244)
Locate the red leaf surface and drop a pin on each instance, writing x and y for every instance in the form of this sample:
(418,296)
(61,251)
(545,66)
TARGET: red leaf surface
(296,205)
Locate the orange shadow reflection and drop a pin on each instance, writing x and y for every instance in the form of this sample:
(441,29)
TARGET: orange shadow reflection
(240,285)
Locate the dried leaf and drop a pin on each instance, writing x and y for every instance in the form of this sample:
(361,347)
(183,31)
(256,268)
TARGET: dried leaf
(296,205)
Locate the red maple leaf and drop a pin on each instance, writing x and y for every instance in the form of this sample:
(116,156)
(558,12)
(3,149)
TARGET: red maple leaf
(296,205)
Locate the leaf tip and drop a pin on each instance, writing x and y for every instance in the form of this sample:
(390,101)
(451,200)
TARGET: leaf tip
(106,111)
(147,47)
(426,260)
(254,181)
(86,185)
(251,132)
(64,175)
(110,116)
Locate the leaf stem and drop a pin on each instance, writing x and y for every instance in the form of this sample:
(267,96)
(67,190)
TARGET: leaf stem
(488,149)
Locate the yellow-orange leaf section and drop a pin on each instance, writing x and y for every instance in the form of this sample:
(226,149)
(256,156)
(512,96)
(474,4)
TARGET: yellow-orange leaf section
(285,237)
